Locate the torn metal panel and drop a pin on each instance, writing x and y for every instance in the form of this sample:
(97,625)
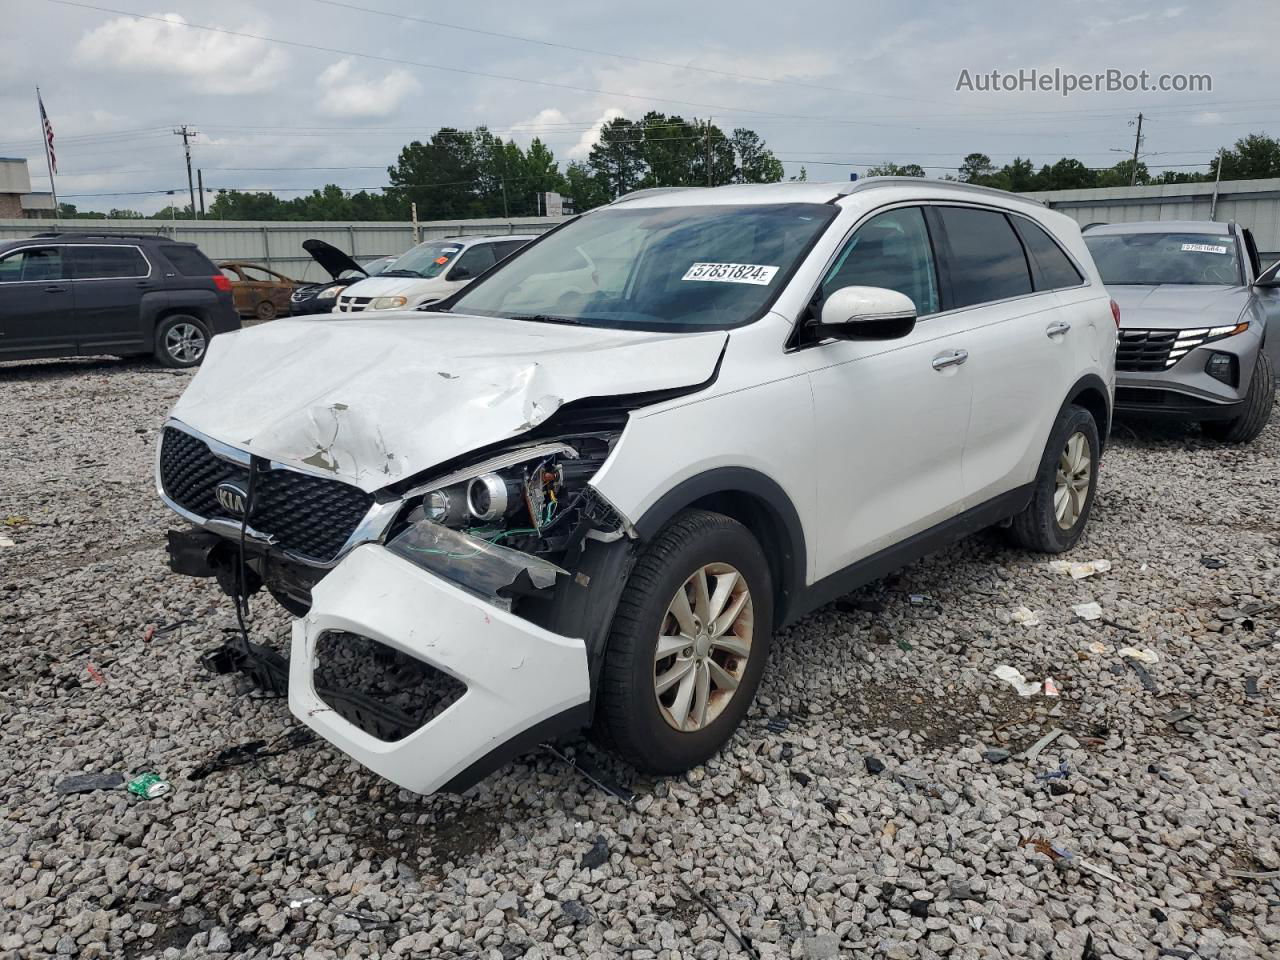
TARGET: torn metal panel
(371,401)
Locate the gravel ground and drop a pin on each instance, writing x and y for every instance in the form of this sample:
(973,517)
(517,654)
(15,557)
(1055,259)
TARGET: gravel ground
(861,811)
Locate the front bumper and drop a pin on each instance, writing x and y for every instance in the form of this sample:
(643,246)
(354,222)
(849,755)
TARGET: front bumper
(1185,390)
(524,684)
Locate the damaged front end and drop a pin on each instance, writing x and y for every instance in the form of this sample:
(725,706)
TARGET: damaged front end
(459,630)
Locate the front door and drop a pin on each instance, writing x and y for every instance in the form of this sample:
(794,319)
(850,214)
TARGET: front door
(37,315)
(892,415)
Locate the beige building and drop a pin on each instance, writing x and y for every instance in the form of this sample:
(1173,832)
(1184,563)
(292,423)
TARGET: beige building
(16,198)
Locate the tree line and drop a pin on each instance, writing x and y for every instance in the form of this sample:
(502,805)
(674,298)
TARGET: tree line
(462,174)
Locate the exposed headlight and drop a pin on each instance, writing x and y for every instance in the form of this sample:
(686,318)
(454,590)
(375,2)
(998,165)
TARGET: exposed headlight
(516,512)
(328,293)
(388,303)
(1188,340)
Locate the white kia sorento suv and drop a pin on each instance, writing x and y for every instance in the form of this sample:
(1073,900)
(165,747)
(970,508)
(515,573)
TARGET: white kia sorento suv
(587,489)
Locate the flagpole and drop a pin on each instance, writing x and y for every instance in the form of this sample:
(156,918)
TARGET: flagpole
(48,158)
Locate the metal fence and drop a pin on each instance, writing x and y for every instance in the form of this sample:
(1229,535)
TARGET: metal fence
(278,244)
(1251,203)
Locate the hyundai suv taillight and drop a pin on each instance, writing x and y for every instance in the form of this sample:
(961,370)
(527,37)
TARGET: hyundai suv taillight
(221,282)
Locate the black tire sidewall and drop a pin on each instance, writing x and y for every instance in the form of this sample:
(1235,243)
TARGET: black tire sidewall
(1043,517)
(163,327)
(266,310)
(660,747)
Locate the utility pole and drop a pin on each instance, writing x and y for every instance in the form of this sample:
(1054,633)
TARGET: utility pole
(186,134)
(1213,206)
(709,183)
(1137,142)
(200,183)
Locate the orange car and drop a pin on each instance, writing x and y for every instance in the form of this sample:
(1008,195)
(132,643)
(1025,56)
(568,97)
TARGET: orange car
(258,291)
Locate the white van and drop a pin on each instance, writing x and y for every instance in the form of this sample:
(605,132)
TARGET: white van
(430,271)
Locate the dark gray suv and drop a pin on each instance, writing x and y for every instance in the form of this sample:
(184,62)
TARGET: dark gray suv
(76,294)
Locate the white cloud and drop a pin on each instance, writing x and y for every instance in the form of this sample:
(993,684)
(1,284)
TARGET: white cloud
(1206,118)
(344,93)
(582,148)
(213,62)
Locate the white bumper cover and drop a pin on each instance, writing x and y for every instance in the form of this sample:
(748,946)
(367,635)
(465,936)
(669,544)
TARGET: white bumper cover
(517,674)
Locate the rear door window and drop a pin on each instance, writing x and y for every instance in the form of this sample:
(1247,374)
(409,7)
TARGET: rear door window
(1054,269)
(985,259)
(33,264)
(506,248)
(107,263)
(188,261)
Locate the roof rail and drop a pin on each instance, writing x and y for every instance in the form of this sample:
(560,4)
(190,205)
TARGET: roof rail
(89,235)
(650,192)
(869,183)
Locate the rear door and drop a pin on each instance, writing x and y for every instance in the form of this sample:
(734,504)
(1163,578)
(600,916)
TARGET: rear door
(1021,348)
(37,315)
(110,281)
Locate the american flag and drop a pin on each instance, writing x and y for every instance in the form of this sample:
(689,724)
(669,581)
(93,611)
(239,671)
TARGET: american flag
(48,134)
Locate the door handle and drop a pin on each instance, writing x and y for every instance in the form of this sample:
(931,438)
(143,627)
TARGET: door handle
(952,359)
(1057,328)
(54,288)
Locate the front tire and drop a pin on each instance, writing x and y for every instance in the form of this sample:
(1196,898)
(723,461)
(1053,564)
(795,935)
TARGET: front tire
(181,341)
(266,310)
(1257,407)
(1064,486)
(688,645)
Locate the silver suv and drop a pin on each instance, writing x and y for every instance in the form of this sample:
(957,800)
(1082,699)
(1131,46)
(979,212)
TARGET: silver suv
(1194,307)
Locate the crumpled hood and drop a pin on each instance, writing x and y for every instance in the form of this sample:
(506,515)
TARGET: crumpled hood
(371,401)
(1170,306)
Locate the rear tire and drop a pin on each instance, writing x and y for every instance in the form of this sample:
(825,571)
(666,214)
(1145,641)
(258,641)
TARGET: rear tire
(1257,407)
(666,714)
(1064,486)
(181,341)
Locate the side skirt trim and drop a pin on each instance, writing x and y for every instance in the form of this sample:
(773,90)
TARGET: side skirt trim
(913,548)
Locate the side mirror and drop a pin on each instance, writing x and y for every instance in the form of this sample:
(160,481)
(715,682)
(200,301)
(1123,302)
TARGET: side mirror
(460,273)
(865,313)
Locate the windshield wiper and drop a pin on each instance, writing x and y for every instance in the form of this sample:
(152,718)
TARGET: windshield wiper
(548,318)
(400,273)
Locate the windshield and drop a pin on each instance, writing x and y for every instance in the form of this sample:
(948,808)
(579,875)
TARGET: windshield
(425,260)
(675,268)
(1142,258)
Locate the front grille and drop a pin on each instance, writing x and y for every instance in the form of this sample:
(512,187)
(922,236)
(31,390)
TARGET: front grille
(307,515)
(354,304)
(386,693)
(1145,350)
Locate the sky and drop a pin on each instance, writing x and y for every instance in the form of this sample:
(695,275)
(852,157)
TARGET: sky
(834,86)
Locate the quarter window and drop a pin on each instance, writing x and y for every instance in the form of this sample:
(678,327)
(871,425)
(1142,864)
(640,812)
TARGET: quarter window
(33,264)
(985,258)
(890,250)
(1054,268)
(106,263)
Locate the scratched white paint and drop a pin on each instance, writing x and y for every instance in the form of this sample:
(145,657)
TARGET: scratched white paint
(373,400)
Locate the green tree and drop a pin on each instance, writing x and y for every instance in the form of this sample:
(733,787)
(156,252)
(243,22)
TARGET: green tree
(1066,174)
(1121,175)
(585,187)
(440,176)
(975,167)
(896,170)
(1253,157)
(618,156)
(802,176)
(756,162)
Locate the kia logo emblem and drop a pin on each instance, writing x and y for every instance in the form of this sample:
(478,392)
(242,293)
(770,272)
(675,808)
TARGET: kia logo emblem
(232,498)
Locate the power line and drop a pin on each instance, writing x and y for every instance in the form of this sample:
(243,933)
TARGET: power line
(621,56)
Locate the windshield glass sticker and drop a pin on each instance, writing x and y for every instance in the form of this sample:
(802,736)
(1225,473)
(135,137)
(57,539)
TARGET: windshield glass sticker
(1202,248)
(731,273)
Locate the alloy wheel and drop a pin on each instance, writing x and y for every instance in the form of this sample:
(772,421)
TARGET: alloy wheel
(1075,469)
(703,647)
(184,342)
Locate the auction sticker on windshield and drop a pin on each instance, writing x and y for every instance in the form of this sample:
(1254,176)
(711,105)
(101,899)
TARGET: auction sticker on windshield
(731,273)
(1203,248)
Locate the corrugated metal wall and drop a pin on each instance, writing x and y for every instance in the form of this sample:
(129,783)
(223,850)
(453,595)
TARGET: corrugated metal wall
(278,244)
(1251,203)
